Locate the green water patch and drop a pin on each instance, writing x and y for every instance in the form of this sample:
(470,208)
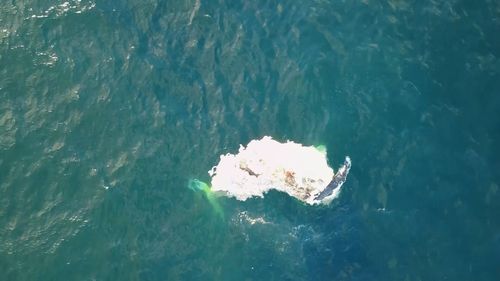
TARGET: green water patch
(321,148)
(200,186)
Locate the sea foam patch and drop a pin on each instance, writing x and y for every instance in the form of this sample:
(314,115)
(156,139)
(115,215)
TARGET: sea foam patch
(265,164)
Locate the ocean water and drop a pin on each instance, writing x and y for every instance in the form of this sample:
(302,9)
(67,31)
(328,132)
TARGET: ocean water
(109,108)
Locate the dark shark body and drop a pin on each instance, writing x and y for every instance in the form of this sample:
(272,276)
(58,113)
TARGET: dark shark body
(337,181)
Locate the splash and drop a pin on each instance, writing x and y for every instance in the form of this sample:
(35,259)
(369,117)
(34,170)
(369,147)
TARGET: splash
(265,164)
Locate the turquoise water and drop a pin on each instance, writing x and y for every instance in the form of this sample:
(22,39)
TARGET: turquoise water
(109,108)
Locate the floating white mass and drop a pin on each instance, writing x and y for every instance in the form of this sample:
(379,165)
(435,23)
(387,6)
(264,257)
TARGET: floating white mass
(265,164)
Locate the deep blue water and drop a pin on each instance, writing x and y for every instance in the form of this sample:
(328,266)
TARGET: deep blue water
(109,108)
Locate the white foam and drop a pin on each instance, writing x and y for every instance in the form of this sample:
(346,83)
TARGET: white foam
(265,164)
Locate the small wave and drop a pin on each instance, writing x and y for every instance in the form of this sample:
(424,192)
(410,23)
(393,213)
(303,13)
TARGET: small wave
(64,8)
(243,216)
